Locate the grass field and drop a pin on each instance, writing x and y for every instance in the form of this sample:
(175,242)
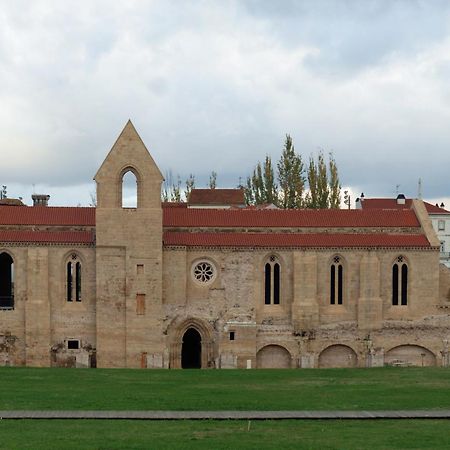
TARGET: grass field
(330,389)
(318,435)
(123,389)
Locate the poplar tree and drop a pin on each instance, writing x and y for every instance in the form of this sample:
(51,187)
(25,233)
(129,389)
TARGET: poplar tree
(311,196)
(324,189)
(290,176)
(190,184)
(260,187)
(213,180)
(335,187)
(322,183)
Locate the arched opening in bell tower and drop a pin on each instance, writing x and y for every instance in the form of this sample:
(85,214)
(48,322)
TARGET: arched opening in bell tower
(129,190)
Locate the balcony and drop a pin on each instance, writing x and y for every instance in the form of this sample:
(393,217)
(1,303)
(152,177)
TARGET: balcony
(6,302)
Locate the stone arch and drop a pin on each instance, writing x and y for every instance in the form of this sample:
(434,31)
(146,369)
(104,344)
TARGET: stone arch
(410,355)
(129,169)
(273,356)
(338,355)
(176,332)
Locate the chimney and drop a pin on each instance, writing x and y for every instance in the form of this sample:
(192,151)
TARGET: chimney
(401,199)
(40,199)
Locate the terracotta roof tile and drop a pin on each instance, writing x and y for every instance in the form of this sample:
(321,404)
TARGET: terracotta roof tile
(46,215)
(391,203)
(313,218)
(299,240)
(67,237)
(216,197)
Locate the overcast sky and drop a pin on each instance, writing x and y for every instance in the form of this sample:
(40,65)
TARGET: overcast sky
(216,85)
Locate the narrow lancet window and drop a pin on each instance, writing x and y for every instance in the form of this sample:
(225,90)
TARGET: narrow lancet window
(400,282)
(336,281)
(395,284)
(73,279)
(78,282)
(268,275)
(69,281)
(272,281)
(6,281)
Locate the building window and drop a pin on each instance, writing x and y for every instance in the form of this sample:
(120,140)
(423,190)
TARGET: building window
(232,335)
(73,344)
(336,281)
(6,281)
(441,225)
(400,282)
(73,279)
(442,246)
(204,272)
(272,281)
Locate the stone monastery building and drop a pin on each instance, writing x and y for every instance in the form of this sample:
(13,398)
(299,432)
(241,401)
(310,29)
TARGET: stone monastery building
(214,284)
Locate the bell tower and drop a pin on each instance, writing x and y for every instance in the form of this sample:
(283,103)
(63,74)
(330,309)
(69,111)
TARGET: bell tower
(128,256)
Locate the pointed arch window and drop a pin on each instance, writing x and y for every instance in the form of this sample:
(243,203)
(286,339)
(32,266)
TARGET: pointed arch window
(129,190)
(400,282)
(272,281)
(6,281)
(73,279)
(336,281)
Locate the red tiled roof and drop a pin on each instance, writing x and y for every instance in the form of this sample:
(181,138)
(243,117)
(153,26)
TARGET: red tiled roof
(248,218)
(62,237)
(174,204)
(216,197)
(317,240)
(391,203)
(273,218)
(433,209)
(46,215)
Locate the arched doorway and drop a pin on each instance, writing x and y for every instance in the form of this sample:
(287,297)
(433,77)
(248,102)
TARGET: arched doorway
(191,350)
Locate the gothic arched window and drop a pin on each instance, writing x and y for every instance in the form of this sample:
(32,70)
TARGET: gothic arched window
(272,281)
(400,282)
(336,281)
(73,278)
(6,281)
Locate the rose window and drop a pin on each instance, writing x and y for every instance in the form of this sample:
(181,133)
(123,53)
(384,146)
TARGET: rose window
(204,272)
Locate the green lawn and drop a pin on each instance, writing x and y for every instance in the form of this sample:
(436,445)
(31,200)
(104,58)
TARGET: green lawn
(322,435)
(318,389)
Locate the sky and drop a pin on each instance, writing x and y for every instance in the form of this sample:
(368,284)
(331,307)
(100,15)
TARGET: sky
(216,85)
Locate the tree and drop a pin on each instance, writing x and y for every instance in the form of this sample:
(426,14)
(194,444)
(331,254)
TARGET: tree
(3,192)
(290,176)
(335,186)
(322,183)
(261,187)
(213,180)
(324,189)
(190,184)
(171,189)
